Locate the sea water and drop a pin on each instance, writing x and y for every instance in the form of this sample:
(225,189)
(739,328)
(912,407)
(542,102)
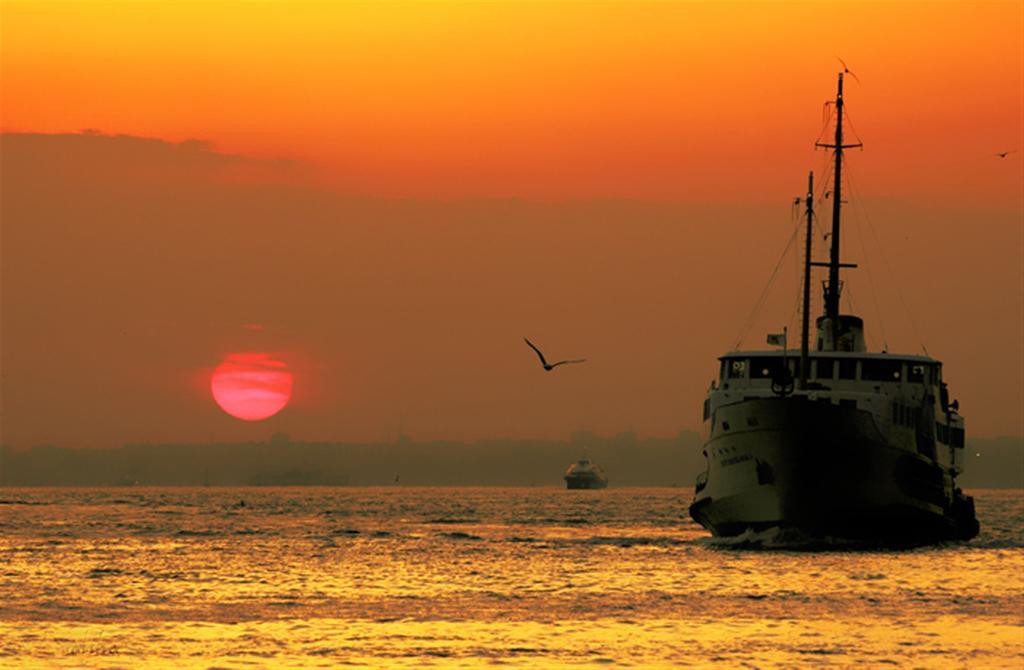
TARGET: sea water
(476,577)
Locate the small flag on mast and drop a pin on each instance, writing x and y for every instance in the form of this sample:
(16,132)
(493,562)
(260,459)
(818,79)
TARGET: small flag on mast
(777,339)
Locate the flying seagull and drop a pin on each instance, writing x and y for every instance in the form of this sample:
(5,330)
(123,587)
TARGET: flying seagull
(1004,154)
(548,367)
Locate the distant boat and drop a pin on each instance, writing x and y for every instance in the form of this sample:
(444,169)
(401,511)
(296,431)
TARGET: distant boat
(585,474)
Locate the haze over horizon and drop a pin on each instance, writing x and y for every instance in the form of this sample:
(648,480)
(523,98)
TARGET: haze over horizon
(356,195)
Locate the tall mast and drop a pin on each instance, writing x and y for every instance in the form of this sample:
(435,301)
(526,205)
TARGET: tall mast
(833,288)
(804,361)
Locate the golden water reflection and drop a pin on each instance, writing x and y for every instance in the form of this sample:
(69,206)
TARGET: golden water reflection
(466,578)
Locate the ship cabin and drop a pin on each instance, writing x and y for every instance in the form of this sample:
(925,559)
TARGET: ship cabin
(904,394)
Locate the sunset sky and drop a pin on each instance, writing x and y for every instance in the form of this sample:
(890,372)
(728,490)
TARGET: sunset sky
(389,195)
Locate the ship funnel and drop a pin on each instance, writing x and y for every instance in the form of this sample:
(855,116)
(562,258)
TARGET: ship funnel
(846,335)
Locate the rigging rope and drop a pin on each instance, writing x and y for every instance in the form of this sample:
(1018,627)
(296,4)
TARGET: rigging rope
(853,129)
(793,323)
(764,292)
(867,264)
(820,237)
(848,295)
(827,113)
(892,275)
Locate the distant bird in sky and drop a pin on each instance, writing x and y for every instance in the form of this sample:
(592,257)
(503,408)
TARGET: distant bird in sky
(1004,154)
(548,367)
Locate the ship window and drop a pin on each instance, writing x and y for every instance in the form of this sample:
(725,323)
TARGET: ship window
(847,368)
(737,368)
(752,421)
(825,367)
(880,370)
(942,432)
(956,437)
(915,373)
(707,409)
(725,425)
(763,368)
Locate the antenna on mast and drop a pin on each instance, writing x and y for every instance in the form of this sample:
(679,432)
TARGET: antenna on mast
(847,70)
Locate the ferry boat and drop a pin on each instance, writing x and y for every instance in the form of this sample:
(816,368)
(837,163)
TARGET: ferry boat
(585,474)
(836,441)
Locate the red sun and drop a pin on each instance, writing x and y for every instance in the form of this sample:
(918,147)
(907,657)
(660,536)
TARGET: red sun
(251,386)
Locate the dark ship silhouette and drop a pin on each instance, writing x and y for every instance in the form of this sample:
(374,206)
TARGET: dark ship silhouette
(585,474)
(835,442)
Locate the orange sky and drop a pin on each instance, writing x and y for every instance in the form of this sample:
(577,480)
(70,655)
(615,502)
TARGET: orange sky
(610,179)
(666,100)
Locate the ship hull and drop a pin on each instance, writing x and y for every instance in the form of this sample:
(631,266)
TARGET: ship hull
(585,483)
(827,471)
